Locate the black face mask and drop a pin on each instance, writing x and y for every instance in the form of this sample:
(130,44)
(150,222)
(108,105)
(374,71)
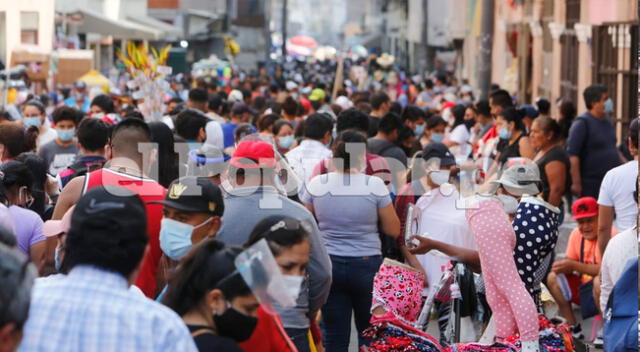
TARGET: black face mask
(235,325)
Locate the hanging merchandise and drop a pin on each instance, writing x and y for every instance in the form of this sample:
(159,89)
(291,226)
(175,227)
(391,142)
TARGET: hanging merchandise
(149,71)
(476,347)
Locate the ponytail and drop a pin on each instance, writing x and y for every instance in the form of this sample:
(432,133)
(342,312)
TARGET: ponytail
(516,116)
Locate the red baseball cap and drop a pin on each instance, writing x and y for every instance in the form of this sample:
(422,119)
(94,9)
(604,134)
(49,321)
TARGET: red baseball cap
(254,154)
(585,207)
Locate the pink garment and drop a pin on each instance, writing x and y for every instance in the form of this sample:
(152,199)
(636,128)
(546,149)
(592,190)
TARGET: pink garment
(511,304)
(398,290)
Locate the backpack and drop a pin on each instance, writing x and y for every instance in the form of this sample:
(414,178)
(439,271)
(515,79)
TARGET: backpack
(621,314)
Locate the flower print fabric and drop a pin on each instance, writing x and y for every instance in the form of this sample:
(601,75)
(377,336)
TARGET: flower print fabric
(398,290)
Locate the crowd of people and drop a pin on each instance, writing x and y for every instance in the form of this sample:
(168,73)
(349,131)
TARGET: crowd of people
(121,233)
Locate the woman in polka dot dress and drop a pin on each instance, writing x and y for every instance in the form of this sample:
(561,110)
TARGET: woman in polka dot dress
(513,308)
(536,228)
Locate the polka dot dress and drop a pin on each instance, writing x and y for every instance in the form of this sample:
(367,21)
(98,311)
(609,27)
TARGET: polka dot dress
(512,306)
(536,228)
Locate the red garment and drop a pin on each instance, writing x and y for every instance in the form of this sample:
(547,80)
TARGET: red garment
(269,335)
(148,190)
(376,166)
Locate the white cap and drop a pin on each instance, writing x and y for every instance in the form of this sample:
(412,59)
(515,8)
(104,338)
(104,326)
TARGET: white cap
(235,96)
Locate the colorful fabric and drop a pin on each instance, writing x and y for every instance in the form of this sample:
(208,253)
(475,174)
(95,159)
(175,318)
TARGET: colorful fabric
(387,337)
(510,303)
(398,290)
(552,337)
(476,347)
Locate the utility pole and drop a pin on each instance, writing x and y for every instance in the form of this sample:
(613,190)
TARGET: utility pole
(267,32)
(284,30)
(486,43)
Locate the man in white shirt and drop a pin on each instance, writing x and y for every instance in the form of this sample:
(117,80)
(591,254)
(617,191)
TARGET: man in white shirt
(317,134)
(618,194)
(622,248)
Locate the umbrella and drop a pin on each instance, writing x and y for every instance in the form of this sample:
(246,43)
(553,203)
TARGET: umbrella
(303,40)
(95,78)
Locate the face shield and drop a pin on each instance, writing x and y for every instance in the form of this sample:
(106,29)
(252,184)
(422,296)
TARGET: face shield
(261,273)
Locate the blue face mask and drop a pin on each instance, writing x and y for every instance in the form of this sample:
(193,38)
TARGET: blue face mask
(31,121)
(66,135)
(419,130)
(56,260)
(608,106)
(175,237)
(437,137)
(286,142)
(504,133)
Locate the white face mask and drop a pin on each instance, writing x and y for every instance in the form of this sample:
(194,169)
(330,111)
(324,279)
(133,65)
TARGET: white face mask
(509,203)
(440,177)
(294,285)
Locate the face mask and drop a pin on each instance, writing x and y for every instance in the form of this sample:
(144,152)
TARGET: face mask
(286,141)
(175,237)
(56,260)
(437,137)
(419,130)
(504,133)
(294,96)
(294,284)
(66,135)
(509,203)
(608,106)
(98,115)
(234,324)
(31,121)
(440,177)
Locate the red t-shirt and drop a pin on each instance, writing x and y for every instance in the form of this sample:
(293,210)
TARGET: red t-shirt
(148,190)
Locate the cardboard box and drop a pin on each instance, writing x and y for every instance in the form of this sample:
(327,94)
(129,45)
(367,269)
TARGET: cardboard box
(72,64)
(37,63)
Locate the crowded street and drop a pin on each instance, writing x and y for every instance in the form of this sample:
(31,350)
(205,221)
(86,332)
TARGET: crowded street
(319,176)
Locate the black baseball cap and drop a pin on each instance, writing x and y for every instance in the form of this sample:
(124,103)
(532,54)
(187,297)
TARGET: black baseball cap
(104,210)
(440,151)
(194,194)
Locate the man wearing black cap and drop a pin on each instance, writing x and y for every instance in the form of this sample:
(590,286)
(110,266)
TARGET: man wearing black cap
(104,250)
(192,210)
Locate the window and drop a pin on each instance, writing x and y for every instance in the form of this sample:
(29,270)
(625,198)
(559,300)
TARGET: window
(29,27)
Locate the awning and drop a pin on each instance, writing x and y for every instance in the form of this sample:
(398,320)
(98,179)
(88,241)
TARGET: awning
(94,22)
(167,29)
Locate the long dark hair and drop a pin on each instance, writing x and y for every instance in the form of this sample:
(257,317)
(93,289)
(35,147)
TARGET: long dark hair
(280,237)
(514,115)
(340,148)
(167,159)
(202,270)
(38,169)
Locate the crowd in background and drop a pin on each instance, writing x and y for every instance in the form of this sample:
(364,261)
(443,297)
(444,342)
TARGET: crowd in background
(212,176)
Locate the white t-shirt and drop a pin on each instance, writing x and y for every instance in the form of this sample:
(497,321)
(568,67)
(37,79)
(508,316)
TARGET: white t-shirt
(46,137)
(444,221)
(617,189)
(621,248)
(460,135)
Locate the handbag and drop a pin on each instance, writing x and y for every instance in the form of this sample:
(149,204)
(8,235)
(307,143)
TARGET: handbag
(588,306)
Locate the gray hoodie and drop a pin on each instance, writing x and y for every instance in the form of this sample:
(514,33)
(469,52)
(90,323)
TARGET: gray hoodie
(244,208)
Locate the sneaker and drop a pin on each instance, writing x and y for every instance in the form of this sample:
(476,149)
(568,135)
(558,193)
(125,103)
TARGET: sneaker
(598,342)
(576,332)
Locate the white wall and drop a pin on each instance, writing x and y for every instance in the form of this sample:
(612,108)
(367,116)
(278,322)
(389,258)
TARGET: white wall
(12,9)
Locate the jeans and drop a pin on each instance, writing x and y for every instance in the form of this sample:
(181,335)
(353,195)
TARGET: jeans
(300,338)
(351,290)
